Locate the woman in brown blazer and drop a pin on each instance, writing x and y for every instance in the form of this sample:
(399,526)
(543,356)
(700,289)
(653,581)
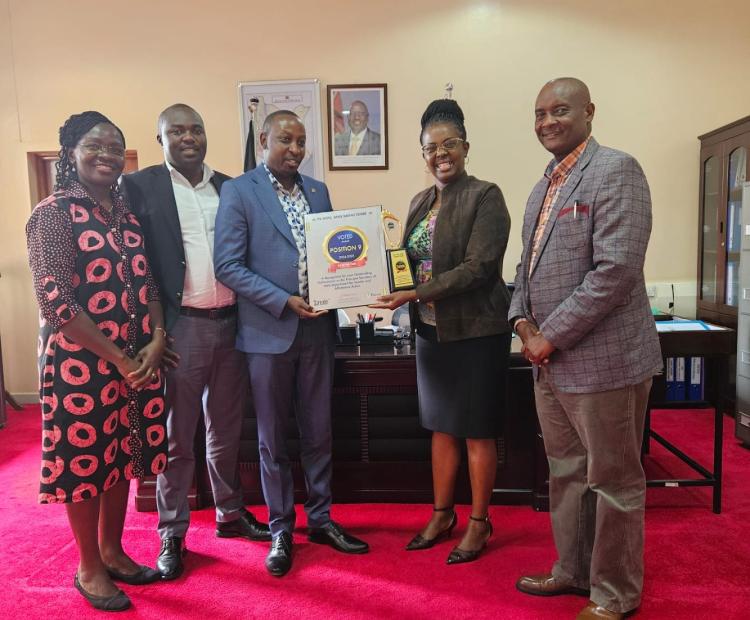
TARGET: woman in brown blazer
(456,234)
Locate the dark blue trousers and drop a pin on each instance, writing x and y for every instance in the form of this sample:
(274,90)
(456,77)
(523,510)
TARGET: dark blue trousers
(297,385)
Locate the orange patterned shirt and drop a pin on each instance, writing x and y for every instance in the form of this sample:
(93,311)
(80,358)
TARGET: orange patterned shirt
(557,179)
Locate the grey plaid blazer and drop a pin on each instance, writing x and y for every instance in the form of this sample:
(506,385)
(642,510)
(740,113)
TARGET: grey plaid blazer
(586,292)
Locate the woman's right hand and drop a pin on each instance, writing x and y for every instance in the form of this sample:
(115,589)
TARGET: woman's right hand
(394,300)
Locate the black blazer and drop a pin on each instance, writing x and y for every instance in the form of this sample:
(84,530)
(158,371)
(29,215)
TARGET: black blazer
(150,195)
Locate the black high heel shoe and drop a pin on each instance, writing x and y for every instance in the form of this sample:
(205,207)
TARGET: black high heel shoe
(460,556)
(419,542)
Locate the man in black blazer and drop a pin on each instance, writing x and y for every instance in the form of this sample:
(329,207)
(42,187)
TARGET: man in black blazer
(176,203)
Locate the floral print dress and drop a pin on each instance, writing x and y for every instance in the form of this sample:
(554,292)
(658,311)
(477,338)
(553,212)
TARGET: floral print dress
(96,430)
(419,249)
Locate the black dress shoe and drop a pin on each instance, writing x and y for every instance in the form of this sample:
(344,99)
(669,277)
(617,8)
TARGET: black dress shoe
(247,526)
(334,535)
(169,563)
(419,542)
(279,558)
(460,556)
(141,577)
(117,602)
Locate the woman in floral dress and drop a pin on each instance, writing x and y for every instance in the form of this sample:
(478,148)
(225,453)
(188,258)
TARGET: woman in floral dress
(100,348)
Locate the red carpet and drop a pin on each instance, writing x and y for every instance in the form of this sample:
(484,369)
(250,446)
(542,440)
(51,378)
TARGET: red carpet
(696,562)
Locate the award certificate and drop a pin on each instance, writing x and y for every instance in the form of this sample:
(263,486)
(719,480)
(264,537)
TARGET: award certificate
(346,261)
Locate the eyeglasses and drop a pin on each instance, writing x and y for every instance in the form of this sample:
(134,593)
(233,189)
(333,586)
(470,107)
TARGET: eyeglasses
(96,149)
(451,144)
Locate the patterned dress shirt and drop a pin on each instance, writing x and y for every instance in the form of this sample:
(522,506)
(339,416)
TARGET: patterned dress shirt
(557,179)
(295,207)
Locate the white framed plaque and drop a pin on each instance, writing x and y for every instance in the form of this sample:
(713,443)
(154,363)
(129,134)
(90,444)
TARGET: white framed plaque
(346,261)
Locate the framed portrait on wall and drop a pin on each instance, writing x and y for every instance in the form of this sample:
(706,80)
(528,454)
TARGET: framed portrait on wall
(299,96)
(358,127)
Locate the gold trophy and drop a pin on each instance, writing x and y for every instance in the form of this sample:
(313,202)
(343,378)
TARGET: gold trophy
(400,276)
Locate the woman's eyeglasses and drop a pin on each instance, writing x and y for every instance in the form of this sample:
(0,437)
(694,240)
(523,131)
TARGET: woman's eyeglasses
(96,149)
(451,144)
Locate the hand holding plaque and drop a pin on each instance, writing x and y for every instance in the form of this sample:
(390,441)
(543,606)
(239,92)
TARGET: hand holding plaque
(400,276)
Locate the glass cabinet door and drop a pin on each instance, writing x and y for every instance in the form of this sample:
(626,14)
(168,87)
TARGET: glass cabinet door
(710,206)
(736,177)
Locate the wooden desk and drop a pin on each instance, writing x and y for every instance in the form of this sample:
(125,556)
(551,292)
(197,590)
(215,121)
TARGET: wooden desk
(380,452)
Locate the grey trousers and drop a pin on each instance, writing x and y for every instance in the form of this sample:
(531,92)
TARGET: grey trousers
(211,378)
(295,384)
(597,488)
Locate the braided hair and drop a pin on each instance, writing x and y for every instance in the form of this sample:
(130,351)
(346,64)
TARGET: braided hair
(71,132)
(444,111)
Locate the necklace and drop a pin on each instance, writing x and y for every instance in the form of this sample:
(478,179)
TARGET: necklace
(435,206)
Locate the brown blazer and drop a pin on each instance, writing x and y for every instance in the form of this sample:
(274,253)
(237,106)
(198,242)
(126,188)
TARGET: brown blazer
(471,234)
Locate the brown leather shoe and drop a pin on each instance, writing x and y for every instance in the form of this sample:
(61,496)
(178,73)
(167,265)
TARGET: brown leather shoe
(546,585)
(592,611)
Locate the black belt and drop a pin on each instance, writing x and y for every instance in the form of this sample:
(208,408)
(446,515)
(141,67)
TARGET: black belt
(210,313)
(427,331)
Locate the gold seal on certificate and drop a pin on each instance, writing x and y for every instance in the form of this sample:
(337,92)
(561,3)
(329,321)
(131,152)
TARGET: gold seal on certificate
(400,276)
(344,247)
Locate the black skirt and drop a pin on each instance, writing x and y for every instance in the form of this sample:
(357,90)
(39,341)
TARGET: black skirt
(462,384)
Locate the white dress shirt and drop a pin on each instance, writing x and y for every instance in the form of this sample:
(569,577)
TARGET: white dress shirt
(196,208)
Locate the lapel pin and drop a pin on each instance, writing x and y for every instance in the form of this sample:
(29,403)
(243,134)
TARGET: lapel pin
(312,189)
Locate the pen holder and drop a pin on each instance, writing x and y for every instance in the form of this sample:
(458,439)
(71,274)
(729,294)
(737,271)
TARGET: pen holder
(366,333)
(348,335)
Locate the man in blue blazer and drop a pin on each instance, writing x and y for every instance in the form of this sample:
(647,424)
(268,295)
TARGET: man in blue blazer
(260,253)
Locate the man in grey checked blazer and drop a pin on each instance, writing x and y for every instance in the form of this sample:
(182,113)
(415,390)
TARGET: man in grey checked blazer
(581,310)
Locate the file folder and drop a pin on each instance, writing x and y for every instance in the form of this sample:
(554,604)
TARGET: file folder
(695,385)
(680,379)
(669,370)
